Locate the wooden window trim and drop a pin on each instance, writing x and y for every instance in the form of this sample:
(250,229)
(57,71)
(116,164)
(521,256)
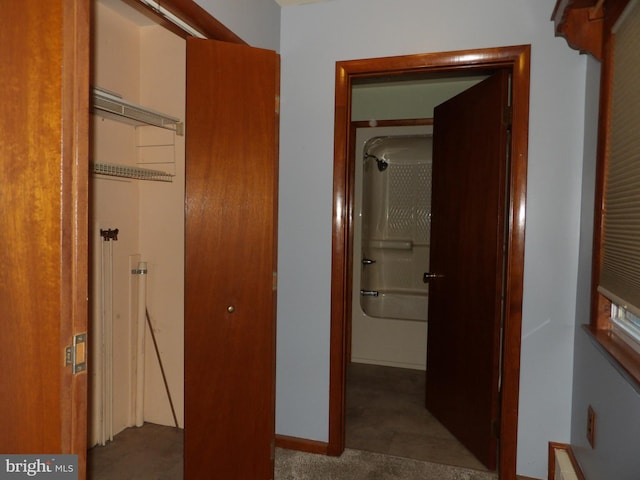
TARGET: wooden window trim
(587,26)
(624,358)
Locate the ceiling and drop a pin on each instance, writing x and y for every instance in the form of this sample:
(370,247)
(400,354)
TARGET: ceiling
(286,3)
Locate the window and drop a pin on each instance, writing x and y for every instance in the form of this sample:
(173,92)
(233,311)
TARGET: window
(620,271)
(616,318)
(626,325)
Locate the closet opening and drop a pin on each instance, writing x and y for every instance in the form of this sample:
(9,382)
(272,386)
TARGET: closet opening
(161,279)
(137,247)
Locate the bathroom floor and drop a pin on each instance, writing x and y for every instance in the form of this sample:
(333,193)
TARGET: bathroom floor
(386,414)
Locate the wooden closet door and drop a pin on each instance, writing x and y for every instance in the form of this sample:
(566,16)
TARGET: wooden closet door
(43,206)
(231,208)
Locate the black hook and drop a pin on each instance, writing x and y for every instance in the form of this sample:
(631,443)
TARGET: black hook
(109,234)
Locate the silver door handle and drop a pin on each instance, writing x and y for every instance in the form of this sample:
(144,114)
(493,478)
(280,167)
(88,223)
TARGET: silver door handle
(367,261)
(429,276)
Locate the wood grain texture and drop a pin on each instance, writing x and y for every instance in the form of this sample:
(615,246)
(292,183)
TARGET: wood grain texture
(43,206)
(231,205)
(586,24)
(580,23)
(74,218)
(467,243)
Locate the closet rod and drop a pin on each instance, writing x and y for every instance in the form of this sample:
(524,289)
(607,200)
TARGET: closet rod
(177,21)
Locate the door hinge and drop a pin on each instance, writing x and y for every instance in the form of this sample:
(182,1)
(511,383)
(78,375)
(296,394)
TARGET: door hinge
(507,116)
(495,427)
(76,354)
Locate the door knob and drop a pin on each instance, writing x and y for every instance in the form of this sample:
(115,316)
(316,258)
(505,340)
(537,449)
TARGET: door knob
(430,276)
(367,261)
(231,309)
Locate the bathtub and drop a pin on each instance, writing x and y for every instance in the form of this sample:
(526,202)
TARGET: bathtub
(391,249)
(397,304)
(390,328)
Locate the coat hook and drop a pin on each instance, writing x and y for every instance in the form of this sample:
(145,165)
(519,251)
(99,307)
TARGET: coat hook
(109,234)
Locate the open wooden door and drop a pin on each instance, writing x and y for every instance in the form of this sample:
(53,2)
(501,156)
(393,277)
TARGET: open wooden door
(231,208)
(43,205)
(467,263)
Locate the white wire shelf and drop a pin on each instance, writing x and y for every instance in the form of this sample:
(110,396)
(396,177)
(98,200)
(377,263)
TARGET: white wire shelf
(136,173)
(110,105)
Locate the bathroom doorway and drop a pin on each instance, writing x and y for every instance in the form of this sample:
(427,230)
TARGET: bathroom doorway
(516,61)
(385,387)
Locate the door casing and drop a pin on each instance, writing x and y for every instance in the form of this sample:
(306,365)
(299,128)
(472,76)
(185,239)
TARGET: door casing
(43,202)
(517,60)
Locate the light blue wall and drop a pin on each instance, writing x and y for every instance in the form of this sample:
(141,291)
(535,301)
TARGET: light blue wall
(314,37)
(596,381)
(617,406)
(257,22)
(559,206)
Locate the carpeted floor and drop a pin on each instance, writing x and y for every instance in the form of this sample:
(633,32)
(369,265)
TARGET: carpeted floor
(389,436)
(154,452)
(361,465)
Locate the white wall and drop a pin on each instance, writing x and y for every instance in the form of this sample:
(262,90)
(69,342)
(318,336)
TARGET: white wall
(161,223)
(313,38)
(257,22)
(114,204)
(145,65)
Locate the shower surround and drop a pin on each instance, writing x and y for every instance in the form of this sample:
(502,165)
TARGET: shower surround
(390,299)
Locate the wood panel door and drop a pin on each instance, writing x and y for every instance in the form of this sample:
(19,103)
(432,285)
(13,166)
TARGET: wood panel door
(231,208)
(43,206)
(467,254)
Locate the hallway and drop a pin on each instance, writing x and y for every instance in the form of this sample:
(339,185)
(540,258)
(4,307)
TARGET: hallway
(385,414)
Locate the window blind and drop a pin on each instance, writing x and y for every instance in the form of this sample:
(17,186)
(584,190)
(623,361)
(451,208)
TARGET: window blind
(620,269)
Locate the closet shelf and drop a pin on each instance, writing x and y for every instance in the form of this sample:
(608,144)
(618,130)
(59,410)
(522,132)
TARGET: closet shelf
(110,105)
(131,172)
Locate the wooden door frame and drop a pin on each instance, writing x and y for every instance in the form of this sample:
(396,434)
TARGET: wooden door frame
(74,218)
(517,60)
